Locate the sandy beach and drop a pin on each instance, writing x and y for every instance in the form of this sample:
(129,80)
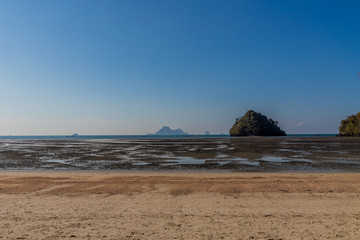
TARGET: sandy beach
(179,205)
(167,120)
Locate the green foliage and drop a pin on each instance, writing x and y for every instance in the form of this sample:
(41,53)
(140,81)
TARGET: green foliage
(255,124)
(350,126)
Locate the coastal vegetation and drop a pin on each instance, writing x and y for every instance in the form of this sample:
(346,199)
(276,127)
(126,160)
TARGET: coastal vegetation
(350,126)
(255,124)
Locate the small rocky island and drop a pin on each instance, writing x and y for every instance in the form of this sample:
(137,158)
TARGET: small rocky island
(350,126)
(255,124)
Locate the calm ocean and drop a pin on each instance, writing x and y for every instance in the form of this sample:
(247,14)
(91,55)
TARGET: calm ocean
(140,136)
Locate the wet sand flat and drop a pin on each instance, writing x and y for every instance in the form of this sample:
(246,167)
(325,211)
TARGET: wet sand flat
(225,153)
(179,205)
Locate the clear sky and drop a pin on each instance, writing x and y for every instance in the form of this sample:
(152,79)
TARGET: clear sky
(130,67)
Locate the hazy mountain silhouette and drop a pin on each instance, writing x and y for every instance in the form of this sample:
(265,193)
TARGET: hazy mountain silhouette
(168,131)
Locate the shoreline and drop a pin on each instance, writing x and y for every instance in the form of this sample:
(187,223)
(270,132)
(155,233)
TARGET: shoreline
(177,171)
(146,182)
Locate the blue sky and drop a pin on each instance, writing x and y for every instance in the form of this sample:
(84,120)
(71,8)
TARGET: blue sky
(130,67)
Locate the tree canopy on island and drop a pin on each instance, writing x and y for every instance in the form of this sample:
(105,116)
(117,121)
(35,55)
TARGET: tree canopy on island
(255,124)
(350,126)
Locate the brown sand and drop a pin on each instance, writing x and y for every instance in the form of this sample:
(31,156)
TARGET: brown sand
(179,205)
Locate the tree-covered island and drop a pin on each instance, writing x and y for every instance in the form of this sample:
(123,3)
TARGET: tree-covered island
(255,124)
(350,126)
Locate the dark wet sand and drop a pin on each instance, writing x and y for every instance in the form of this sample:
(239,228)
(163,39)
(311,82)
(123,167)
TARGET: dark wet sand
(235,154)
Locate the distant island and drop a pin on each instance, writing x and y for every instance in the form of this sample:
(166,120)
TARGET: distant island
(350,126)
(255,124)
(170,132)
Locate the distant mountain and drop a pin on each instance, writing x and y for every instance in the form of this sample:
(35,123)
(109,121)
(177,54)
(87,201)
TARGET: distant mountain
(170,132)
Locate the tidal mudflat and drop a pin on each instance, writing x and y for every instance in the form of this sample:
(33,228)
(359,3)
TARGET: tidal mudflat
(242,153)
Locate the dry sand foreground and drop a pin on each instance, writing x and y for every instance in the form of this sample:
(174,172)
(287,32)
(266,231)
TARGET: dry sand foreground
(175,205)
